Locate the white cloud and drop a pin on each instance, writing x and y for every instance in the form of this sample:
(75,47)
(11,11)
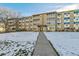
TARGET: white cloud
(70,7)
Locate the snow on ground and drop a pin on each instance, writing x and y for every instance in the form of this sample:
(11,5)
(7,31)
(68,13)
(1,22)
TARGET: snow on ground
(17,43)
(19,36)
(66,43)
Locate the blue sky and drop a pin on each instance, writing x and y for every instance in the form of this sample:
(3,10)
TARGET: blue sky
(27,9)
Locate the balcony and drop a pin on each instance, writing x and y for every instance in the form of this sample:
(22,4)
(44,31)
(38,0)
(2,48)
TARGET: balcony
(76,22)
(66,15)
(66,22)
(66,25)
(36,20)
(76,15)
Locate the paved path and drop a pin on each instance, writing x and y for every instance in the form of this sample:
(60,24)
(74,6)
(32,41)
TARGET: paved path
(43,47)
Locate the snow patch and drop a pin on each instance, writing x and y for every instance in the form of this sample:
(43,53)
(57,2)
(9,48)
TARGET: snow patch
(66,43)
(17,43)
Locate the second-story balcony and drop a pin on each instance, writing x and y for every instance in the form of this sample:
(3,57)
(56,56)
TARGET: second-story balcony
(67,20)
(66,25)
(76,19)
(66,15)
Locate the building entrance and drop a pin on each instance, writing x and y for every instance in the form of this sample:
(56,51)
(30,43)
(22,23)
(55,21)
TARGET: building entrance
(42,28)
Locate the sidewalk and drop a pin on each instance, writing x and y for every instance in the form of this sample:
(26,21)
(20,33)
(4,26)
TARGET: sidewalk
(43,47)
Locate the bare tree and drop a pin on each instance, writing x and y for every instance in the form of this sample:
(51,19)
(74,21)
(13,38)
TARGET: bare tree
(6,13)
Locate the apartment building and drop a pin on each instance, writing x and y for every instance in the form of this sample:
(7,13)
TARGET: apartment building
(66,21)
(44,24)
(28,23)
(2,26)
(36,21)
(71,20)
(21,24)
(60,21)
(45,21)
(11,24)
(76,20)
(40,22)
(51,21)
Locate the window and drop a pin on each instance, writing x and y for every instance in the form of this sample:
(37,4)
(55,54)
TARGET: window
(66,13)
(58,23)
(76,12)
(76,19)
(51,18)
(66,25)
(66,18)
(76,22)
(13,28)
(48,23)
(66,22)
(50,14)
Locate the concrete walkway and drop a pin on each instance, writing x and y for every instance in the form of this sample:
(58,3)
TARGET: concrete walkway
(43,47)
